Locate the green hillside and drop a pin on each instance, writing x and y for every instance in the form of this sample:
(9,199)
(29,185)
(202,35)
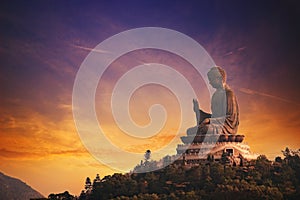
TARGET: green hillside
(258,179)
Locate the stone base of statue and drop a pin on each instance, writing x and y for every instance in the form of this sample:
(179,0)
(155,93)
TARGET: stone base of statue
(212,138)
(197,148)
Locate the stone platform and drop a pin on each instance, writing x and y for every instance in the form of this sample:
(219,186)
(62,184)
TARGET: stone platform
(196,148)
(212,138)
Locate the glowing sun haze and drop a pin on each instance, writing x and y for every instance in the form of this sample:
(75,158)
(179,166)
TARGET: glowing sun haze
(44,43)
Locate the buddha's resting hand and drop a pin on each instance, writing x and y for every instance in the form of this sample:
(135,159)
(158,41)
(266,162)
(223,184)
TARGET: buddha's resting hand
(204,123)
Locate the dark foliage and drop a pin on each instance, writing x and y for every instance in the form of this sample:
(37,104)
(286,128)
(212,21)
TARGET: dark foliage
(61,196)
(259,179)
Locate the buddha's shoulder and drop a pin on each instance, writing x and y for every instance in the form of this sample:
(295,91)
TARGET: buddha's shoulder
(229,91)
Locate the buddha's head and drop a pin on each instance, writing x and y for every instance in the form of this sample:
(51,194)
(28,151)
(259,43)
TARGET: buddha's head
(217,77)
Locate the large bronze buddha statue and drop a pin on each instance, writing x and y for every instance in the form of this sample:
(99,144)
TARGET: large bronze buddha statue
(224,118)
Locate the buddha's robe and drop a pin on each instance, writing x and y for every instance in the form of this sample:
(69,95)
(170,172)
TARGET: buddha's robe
(225,114)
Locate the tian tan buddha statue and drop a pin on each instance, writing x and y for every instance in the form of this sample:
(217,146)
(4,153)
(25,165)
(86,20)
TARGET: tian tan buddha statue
(224,118)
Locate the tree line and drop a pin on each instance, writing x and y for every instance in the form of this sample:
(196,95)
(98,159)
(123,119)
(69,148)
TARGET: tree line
(257,179)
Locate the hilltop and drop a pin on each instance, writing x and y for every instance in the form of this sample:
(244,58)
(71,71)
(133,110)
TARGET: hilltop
(258,179)
(15,189)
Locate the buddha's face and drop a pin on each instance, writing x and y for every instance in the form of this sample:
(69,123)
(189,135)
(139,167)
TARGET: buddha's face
(215,81)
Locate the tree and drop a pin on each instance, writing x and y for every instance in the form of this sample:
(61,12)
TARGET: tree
(263,165)
(278,159)
(82,196)
(147,155)
(61,196)
(286,152)
(88,184)
(96,180)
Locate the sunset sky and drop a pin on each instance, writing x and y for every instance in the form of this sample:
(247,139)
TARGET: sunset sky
(43,43)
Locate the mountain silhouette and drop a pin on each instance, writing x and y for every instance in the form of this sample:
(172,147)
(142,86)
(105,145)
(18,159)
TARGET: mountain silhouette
(15,189)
